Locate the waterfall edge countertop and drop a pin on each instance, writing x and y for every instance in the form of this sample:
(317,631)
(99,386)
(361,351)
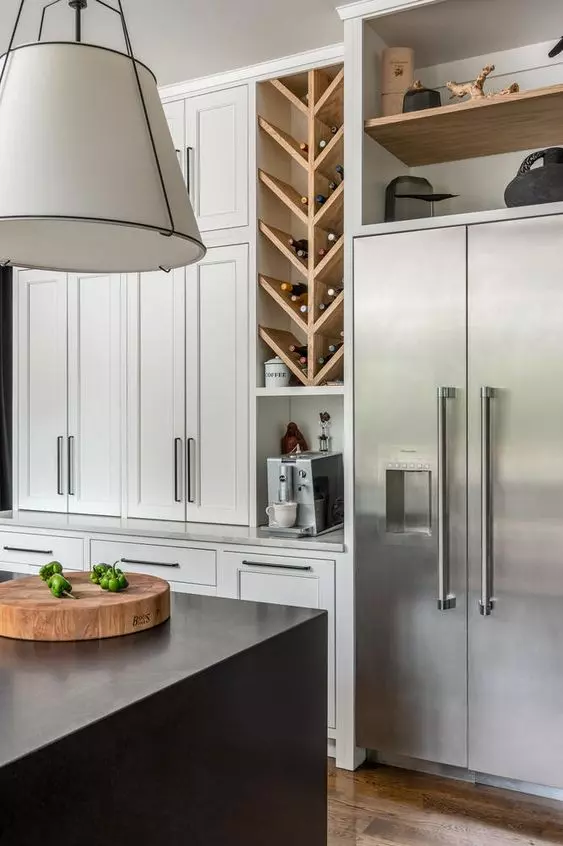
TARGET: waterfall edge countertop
(50,690)
(170,529)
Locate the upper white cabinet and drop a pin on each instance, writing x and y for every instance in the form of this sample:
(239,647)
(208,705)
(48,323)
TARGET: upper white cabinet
(94,394)
(210,133)
(42,389)
(217,378)
(188,394)
(156,389)
(69,371)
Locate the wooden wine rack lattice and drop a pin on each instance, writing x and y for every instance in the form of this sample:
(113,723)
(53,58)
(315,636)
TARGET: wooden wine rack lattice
(323,109)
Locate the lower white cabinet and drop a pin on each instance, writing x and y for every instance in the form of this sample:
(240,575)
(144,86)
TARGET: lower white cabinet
(185,565)
(281,580)
(24,552)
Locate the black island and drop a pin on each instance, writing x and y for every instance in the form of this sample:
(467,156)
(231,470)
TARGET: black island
(209,729)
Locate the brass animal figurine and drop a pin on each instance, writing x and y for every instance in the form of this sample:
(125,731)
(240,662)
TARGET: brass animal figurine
(475,89)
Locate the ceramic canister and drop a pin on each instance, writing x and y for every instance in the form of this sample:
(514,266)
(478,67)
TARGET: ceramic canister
(276,374)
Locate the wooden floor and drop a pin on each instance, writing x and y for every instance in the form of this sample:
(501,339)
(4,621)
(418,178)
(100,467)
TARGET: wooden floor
(380,806)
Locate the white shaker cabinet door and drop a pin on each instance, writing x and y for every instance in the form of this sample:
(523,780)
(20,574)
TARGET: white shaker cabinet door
(94,382)
(282,580)
(42,389)
(217,157)
(156,395)
(176,118)
(217,378)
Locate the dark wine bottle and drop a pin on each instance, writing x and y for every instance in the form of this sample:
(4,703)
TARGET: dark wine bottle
(332,186)
(322,252)
(333,348)
(322,143)
(298,350)
(340,171)
(323,359)
(299,244)
(303,254)
(334,129)
(304,309)
(323,306)
(302,359)
(334,292)
(293,288)
(320,199)
(332,236)
(304,146)
(299,298)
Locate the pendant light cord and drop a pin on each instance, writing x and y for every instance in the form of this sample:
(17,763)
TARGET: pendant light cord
(131,55)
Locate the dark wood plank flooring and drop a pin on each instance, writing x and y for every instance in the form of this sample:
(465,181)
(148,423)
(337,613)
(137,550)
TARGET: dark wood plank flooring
(381,806)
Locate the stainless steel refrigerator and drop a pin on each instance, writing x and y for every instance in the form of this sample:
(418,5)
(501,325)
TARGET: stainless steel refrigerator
(459,496)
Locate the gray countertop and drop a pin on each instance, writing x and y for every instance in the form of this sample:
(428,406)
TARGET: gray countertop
(50,690)
(168,529)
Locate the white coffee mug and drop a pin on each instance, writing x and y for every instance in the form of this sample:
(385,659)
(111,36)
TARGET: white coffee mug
(282,514)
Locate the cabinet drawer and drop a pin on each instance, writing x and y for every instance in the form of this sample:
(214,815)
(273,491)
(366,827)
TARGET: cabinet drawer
(27,553)
(173,563)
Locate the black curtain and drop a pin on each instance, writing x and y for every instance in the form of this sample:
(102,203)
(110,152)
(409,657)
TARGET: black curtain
(6,358)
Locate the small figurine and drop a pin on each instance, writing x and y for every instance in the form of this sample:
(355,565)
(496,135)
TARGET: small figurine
(293,440)
(476,89)
(324,437)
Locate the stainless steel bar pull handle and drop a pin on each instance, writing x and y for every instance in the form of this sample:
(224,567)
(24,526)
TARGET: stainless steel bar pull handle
(446,600)
(71,467)
(60,447)
(486,603)
(178,449)
(189,443)
(189,152)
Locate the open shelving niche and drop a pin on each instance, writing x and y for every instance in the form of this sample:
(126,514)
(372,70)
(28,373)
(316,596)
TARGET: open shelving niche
(471,149)
(300,108)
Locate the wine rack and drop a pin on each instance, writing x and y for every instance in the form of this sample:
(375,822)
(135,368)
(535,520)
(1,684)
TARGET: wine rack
(304,188)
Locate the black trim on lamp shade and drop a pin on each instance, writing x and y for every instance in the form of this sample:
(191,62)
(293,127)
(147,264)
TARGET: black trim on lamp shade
(79,44)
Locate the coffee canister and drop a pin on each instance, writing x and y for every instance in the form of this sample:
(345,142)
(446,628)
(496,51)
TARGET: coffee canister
(276,373)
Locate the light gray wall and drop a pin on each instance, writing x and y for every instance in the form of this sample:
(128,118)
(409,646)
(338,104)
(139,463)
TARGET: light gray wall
(182,39)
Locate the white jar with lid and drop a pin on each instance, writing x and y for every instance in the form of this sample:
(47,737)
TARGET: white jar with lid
(276,373)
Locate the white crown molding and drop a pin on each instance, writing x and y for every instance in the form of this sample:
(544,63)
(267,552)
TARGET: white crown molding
(376,8)
(320,57)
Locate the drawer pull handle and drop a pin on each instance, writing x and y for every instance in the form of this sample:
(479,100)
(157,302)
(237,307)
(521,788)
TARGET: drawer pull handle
(34,551)
(150,563)
(303,567)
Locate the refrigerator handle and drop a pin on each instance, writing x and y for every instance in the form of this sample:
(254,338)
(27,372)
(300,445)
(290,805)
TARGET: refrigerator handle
(486,603)
(446,600)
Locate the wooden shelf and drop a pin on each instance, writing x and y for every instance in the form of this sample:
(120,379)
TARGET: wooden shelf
(523,121)
(330,107)
(272,287)
(285,141)
(331,268)
(280,240)
(331,321)
(331,214)
(302,391)
(279,342)
(283,89)
(331,367)
(286,193)
(332,155)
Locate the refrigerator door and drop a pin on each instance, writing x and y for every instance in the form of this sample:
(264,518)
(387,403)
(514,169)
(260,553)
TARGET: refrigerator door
(516,500)
(410,495)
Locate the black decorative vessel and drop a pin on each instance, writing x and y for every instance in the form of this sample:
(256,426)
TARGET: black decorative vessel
(538,185)
(418,97)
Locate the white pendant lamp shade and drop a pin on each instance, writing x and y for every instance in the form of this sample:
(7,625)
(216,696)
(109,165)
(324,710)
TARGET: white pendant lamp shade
(83,186)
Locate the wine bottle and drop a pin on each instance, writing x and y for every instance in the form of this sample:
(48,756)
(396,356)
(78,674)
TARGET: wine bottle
(332,186)
(342,333)
(304,309)
(340,171)
(302,359)
(299,244)
(304,201)
(332,236)
(304,146)
(320,199)
(333,348)
(323,359)
(334,292)
(322,144)
(299,298)
(298,350)
(323,306)
(302,254)
(334,129)
(322,252)
(293,288)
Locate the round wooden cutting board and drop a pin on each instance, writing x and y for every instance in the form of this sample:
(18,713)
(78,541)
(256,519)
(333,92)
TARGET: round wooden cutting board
(28,610)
